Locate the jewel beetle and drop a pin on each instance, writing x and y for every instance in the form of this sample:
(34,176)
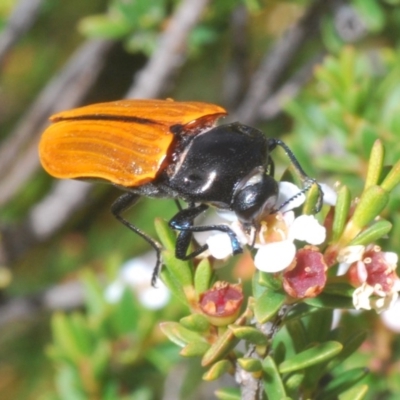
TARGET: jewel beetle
(169,149)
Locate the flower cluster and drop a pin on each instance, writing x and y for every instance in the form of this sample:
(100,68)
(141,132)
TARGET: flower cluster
(276,245)
(295,247)
(373,273)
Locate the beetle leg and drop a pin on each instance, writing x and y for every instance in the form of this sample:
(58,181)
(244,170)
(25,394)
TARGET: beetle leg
(178,205)
(307,181)
(183,222)
(120,205)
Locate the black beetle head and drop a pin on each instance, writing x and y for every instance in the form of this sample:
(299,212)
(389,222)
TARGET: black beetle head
(255,198)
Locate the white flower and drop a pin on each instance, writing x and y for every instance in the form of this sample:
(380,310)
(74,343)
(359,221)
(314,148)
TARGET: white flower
(277,256)
(349,255)
(373,274)
(363,298)
(136,275)
(307,229)
(275,239)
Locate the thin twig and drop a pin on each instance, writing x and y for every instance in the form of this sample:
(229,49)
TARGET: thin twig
(276,62)
(20,21)
(66,296)
(171,51)
(275,103)
(236,74)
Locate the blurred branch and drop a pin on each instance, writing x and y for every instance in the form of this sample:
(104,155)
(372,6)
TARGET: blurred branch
(66,296)
(18,154)
(170,53)
(274,104)
(236,74)
(276,61)
(21,19)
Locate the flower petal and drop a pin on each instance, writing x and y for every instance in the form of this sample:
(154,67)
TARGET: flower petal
(330,195)
(391,258)
(351,254)
(275,257)
(306,228)
(289,191)
(384,303)
(361,297)
(219,245)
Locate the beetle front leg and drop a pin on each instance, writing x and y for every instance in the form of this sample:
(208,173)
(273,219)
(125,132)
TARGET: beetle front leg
(183,222)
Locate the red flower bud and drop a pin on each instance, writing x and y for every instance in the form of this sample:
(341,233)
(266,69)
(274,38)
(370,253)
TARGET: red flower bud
(306,277)
(221,304)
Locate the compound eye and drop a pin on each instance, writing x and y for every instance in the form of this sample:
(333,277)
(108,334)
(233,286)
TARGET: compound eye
(254,202)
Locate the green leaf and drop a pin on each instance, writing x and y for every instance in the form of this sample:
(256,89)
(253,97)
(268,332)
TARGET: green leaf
(343,289)
(293,383)
(392,178)
(224,344)
(100,359)
(301,310)
(273,385)
(298,334)
(268,305)
(371,13)
(203,276)
(125,314)
(102,26)
(195,349)
(341,212)
(374,232)
(179,335)
(342,383)
(375,164)
(268,280)
(319,326)
(68,384)
(82,333)
(312,356)
(350,345)
(94,294)
(313,200)
(195,322)
(325,300)
(144,41)
(65,339)
(355,393)
(372,202)
(250,364)
(249,334)
(180,269)
(165,234)
(228,394)
(217,370)
(173,285)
